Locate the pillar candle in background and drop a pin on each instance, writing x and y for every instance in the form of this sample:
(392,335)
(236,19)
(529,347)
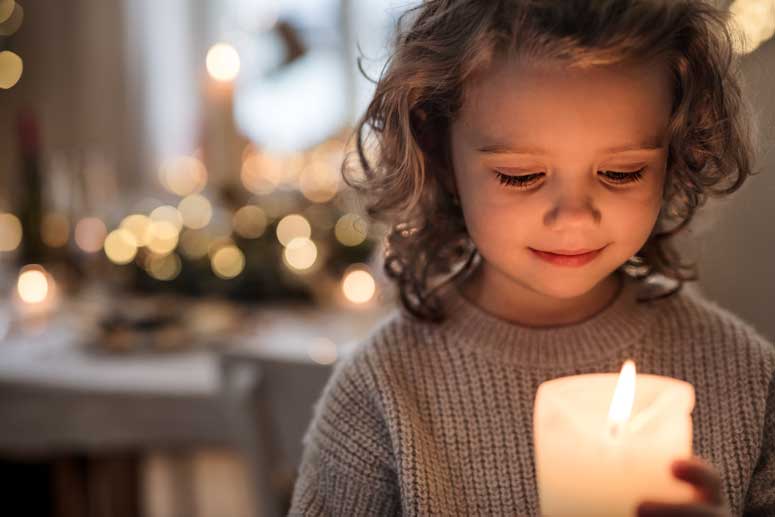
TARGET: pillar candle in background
(605,442)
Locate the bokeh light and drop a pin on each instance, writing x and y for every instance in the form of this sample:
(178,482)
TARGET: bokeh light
(163,267)
(55,230)
(227,262)
(163,237)
(139,226)
(11,24)
(6,8)
(351,229)
(196,211)
(358,286)
(121,246)
(32,284)
(90,234)
(754,20)
(261,173)
(300,254)
(319,181)
(168,214)
(223,62)
(11,68)
(10,232)
(293,226)
(194,244)
(250,222)
(322,351)
(183,176)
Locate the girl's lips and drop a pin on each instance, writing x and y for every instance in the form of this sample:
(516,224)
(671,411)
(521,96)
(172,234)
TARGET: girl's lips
(567,260)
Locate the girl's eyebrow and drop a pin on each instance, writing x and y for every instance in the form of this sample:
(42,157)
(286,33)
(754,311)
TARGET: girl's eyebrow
(498,148)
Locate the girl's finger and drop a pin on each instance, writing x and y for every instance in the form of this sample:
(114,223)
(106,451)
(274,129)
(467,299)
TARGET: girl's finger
(703,476)
(649,509)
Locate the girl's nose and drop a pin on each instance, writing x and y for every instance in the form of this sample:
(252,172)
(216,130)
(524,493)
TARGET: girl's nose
(572,210)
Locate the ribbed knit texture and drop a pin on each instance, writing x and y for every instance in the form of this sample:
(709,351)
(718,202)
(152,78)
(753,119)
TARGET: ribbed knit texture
(436,419)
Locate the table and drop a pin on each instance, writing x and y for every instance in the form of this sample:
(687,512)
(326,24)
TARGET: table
(56,396)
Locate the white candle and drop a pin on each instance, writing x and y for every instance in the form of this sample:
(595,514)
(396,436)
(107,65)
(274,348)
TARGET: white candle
(605,442)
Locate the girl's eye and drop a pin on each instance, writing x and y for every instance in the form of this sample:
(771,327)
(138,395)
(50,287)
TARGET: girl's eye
(525,181)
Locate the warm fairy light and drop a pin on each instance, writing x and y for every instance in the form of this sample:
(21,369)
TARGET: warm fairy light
(32,285)
(623,398)
(121,246)
(11,68)
(351,229)
(261,172)
(194,244)
(300,254)
(196,211)
(319,181)
(293,226)
(10,232)
(183,176)
(55,230)
(6,9)
(169,214)
(223,62)
(322,351)
(358,286)
(14,20)
(90,234)
(227,262)
(250,222)
(754,21)
(163,237)
(139,226)
(163,267)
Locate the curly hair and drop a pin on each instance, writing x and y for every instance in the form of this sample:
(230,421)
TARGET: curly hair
(402,165)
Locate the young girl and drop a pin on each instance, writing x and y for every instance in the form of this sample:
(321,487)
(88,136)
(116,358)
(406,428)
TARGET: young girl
(534,159)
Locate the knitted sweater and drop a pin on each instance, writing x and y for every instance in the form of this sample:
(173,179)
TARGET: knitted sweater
(436,419)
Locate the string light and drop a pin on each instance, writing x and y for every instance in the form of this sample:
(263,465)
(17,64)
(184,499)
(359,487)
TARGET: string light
(183,176)
(250,222)
(196,211)
(754,21)
(55,230)
(227,262)
(121,246)
(11,24)
(139,226)
(163,267)
(90,234)
(32,284)
(11,68)
(358,286)
(293,226)
(10,232)
(351,229)
(300,254)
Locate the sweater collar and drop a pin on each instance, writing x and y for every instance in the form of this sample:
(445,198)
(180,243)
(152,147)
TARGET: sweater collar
(621,323)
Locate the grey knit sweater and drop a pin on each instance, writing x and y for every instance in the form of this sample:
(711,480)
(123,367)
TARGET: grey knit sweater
(436,419)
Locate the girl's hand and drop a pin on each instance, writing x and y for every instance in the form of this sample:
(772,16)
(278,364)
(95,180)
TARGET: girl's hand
(706,480)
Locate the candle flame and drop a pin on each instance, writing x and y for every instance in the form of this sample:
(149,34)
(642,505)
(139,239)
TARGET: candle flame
(624,396)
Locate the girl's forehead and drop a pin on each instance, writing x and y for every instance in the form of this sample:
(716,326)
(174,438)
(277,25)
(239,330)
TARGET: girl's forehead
(546,100)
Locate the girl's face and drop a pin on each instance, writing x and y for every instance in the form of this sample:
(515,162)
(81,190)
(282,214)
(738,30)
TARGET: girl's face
(545,158)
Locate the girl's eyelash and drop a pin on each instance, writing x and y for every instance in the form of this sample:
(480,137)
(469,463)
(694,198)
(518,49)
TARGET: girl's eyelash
(620,178)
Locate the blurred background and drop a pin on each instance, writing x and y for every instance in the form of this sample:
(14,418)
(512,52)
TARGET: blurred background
(181,263)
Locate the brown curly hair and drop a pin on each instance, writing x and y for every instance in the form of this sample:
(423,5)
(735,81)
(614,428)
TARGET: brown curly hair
(402,141)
